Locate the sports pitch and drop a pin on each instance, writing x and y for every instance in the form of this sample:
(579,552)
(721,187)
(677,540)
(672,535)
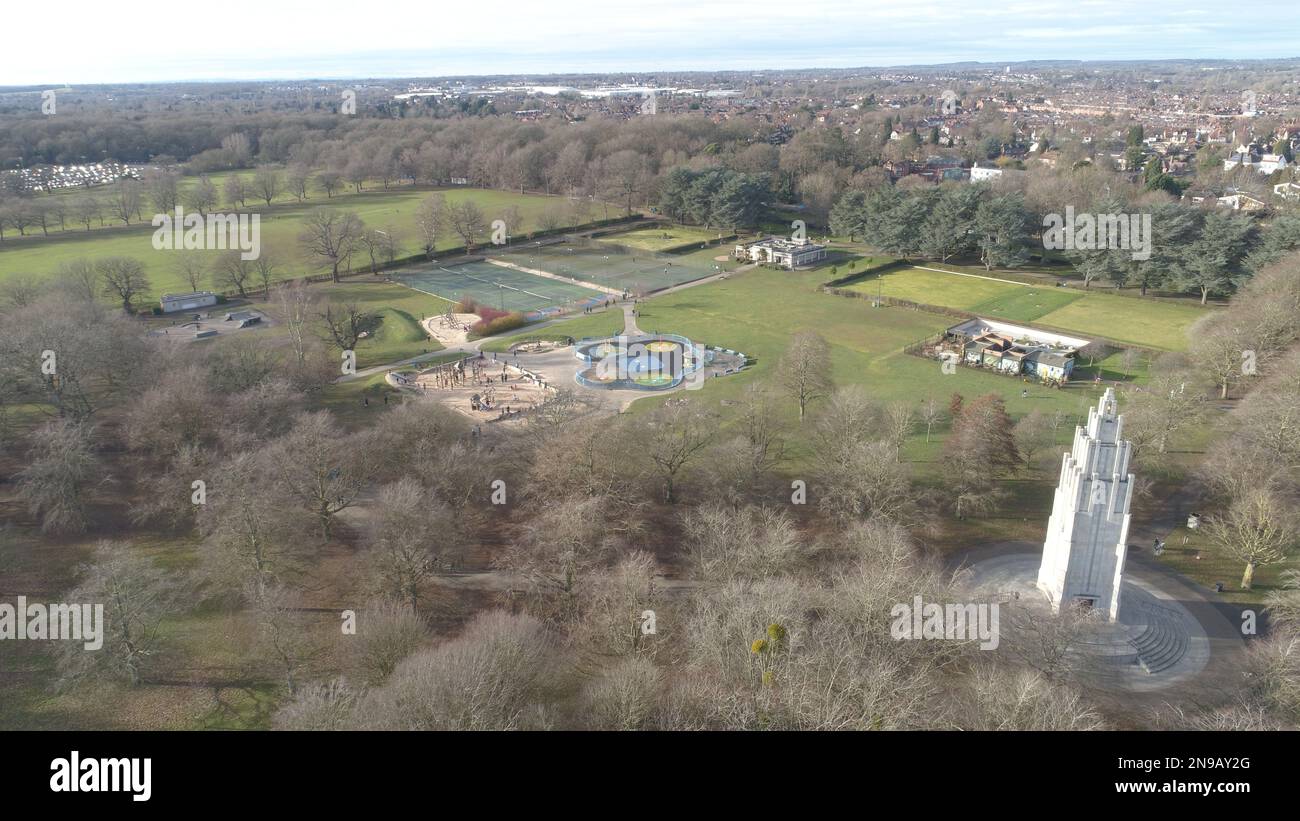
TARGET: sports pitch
(613,266)
(1150,322)
(493,285)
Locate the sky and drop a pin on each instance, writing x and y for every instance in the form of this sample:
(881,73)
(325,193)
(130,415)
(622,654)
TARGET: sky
(88,42)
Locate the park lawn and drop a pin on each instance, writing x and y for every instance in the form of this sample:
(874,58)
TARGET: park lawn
(1027,304)
(398,308)
(398,334)
(281,224)
(1150,322)
(934,288)
(757,312)
(657,239)
(1215,565)
(1147,322)
(346,400)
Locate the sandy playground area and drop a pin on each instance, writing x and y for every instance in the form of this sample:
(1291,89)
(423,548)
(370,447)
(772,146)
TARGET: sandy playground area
(451,329)
(482,389)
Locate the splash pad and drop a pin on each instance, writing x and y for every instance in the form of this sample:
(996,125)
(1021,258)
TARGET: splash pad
(644,362)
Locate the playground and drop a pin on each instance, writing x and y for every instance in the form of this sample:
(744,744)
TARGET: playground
(482,388)
(449,329)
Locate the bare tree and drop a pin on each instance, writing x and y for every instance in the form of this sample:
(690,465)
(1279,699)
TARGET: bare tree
(299,180)
(485,679)
(137,595)
(412,531)
(805,369)
(866,480)
(387,632)
(282,634)
(725,544)
(164,191)
(331,237)
(1169,403)
(1257,529)
(980,448)
(322,706)
(295,306)
(124,278)
(932,413)
(1002,699)
(61,470)
(429,219)
(87,209)
(192,268)
(563,544)
(125,199)
(1220,344)
(1033,434)
(329,181)
(202,196)
(1049,642)
(20,290)
(627,173)
(232,271)
(265,266)
(346,325)
(268,183)
(249,542)
(673,437)
(321,468)
(467,220)
(380,246)
(550,220)
(900,420)
(624,697)
(235,189)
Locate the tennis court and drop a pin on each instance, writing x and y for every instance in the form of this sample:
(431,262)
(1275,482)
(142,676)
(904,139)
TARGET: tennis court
(494,286)
(606,263)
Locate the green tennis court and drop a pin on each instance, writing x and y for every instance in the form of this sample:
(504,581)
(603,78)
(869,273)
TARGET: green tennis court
(493,285)
(606,263)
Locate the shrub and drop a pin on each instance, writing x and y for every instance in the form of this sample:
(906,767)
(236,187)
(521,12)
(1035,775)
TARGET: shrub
(499,324)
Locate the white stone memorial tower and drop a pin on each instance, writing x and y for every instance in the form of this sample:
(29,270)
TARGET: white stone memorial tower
(1083,557)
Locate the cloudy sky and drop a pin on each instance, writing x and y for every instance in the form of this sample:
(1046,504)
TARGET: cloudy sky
(267,39)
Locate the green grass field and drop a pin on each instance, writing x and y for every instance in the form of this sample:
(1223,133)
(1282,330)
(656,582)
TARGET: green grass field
(657,239)
(757,312)
(281,224)
(1149,322)
(399,309)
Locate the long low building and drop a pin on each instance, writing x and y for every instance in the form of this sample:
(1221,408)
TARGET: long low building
(788,253)
(1014,349)
(187,302)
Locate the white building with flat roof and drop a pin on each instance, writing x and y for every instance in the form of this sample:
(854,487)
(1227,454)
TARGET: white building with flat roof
(788,253)
(985,174)
(187,302)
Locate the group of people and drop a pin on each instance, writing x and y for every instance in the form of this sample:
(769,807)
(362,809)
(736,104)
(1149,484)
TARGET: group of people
(456,375)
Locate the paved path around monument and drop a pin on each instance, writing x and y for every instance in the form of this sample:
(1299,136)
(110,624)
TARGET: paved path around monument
(1221,672)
